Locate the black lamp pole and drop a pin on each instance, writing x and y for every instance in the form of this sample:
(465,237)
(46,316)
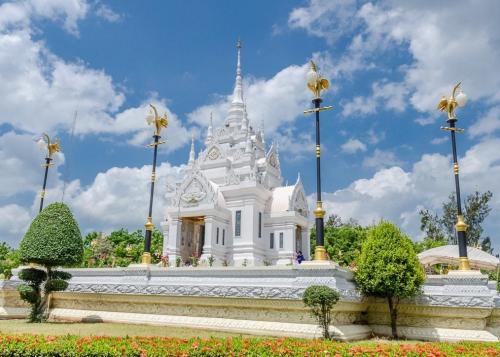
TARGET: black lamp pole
(149,224)
(316,84)
(159,123)
(42,194)
(449,105)
(461,227)
(52,147)
(319,212)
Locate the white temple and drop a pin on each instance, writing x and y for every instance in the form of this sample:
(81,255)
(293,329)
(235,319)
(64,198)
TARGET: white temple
(231,204)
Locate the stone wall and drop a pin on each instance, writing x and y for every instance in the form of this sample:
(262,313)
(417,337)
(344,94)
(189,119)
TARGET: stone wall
(267,301)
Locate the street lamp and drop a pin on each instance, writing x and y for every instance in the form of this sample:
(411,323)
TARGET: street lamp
(317,83)
(448,105)
(52,147)
(159,122)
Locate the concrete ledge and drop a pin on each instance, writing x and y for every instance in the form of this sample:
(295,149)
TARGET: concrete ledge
(14,312)
(436,333)
(265,328)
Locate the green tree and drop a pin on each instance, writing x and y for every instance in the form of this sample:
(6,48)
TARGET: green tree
(342,240)
(321,299)
(9,259)
(120,248)
(442,228)
(388,267)
(53,239)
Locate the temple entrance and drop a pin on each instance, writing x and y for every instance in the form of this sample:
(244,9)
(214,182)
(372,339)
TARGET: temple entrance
(192,238)
(298,239)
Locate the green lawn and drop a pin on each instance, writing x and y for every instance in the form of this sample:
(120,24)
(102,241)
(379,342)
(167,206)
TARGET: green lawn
(104,329)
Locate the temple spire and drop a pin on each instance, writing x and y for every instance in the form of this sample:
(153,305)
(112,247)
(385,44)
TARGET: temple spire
(238,87)
(191,152)
(236,110)
(210,134)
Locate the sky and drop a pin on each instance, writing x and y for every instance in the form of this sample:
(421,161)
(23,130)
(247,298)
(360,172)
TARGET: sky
(84,71)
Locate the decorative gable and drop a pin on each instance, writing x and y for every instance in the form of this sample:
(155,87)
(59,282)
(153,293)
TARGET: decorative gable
(195,190)
(212,153)
(298,200)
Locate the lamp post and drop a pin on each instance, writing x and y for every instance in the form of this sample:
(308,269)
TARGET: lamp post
(448,105)
(159,122)
(52,147)
(317,83)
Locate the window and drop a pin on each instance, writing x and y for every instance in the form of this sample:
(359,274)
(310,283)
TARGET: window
(260,224)
(223,236)
(237,224)
(281,240)
(217,236)
(271,241)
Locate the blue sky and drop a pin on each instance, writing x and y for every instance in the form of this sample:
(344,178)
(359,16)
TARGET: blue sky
(388,62)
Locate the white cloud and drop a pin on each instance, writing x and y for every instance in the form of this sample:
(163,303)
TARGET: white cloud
(487,124)
(41,92)
(118,197)
(381,159)
(439,141)
(107,13)
(359,106)
(20,164)
(352,146)
(13,223)
(445,44)
(296,146)
(324,18)
(388,94)
(395,194)
(20,13)
(374,137)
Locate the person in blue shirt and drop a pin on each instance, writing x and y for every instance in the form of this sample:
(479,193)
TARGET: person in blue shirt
(300,257)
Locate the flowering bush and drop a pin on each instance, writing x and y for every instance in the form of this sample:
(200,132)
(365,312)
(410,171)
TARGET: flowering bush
(33,345)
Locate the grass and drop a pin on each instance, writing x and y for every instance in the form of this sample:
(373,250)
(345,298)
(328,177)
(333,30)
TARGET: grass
(105,329)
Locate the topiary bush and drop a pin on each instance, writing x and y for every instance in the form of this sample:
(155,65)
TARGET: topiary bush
(53,239)
(388,268)
(321,299)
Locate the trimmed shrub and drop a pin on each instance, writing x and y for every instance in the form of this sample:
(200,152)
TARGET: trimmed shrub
(321,299)
(28,293)
(33,276)
(388,267)
(53,239)
(58,274)
(56,285)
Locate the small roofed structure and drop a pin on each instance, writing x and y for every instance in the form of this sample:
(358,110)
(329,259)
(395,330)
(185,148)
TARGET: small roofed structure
(448,254)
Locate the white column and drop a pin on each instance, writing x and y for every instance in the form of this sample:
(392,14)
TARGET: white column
(173,243)
(209,238)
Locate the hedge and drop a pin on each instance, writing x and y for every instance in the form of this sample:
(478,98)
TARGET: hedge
(40,346)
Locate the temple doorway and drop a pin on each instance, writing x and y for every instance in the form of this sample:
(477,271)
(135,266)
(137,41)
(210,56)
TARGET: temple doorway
(192,238)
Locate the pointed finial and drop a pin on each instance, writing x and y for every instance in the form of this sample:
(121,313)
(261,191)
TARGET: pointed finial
(238,43)
(298,178)
(248,147)
(191,152)
(262,132)
(210,134)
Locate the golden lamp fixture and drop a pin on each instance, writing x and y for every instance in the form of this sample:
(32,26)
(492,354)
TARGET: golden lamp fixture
(46,144)
(158,121)
(450,104)
(315,81)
